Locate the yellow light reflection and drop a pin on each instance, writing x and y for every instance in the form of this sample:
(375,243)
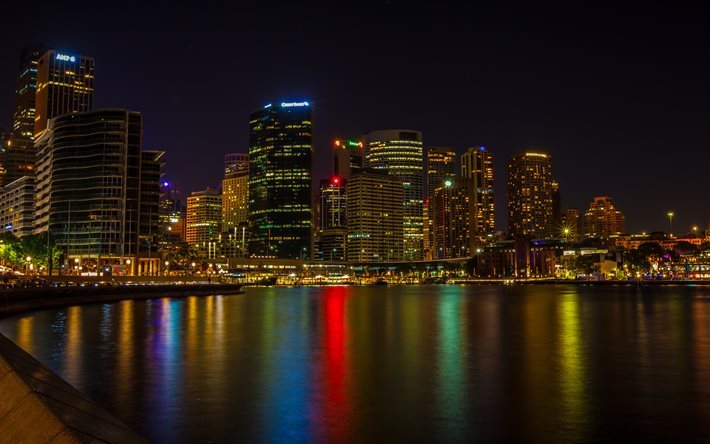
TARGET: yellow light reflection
(24,333)
(572,373)
(73,349)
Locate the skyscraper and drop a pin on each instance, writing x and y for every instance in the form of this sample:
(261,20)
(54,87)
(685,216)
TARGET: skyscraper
(570,227)
(347,157)
(280,153)
(556,208)
(204,219)
(236,164)
(235,187)
(375,214)
(400,153)
(452,215)
(440,165)
(603,219)
(477,168)
(96,190)
(18,154)
(530,196)
(65,84)
(332,222)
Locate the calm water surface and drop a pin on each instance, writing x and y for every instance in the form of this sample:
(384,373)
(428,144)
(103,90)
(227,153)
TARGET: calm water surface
(392,364)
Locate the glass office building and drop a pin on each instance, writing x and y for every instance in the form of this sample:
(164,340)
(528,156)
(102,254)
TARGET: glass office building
(280,164)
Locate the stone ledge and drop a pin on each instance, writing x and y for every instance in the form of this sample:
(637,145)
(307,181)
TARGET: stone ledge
(38,406)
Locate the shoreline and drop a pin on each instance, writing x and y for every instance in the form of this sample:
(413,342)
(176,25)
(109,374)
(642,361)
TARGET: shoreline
(19,300)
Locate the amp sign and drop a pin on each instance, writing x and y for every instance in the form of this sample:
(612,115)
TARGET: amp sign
(66,58)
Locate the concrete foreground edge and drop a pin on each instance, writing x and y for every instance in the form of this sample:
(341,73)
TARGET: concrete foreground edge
(37,406)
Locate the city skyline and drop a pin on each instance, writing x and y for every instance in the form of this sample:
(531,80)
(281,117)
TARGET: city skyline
(651,97)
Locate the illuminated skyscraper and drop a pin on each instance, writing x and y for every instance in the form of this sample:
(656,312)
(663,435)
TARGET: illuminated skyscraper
(280,153)
(204,218)
(235,188)
(18,154)
(570,226)
(452,215)
(236,164)
(556,208)
(347,157)
(375,215)
(603,219)
(65,84)
(477,167)
(400,153)
(332,223)
(530,196)
(440,165)
(97,191)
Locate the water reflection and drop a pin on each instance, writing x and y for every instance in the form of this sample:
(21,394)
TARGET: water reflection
(400,364)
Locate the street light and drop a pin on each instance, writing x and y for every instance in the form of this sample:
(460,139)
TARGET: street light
(670,220)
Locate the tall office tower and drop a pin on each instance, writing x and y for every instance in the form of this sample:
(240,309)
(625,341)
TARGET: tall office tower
(172,217)
(477,167)
(17,206)
(400,153)
(428,231)
(453,214)
(94,185)
(332,233)
(440,165)
(332,203)
(280,153)
(65,84)
(603,219)
(18,155)
(556,208)
(23,119)
(375,214)
(530,196)
(236,164)
(347,157)
(570,227)
(235,192)
(204,218)
(151,189)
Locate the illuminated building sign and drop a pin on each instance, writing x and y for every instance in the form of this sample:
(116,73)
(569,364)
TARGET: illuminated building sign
(292,104)
(66,58)
(267,106)
(536,154)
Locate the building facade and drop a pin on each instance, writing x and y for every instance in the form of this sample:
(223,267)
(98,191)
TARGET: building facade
(95,187)
(571,225)
(235,192)
(440,165)
(375,215)
(65,84)
(203,218)
(530,213)
(18,154)
(400,153)
(280,201)
(603,219)
(477,168)
(236,164)
(331,236)
(453,214)
(17,206)
(347,157)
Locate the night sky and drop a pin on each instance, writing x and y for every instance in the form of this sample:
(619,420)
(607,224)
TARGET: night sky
(619,96)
